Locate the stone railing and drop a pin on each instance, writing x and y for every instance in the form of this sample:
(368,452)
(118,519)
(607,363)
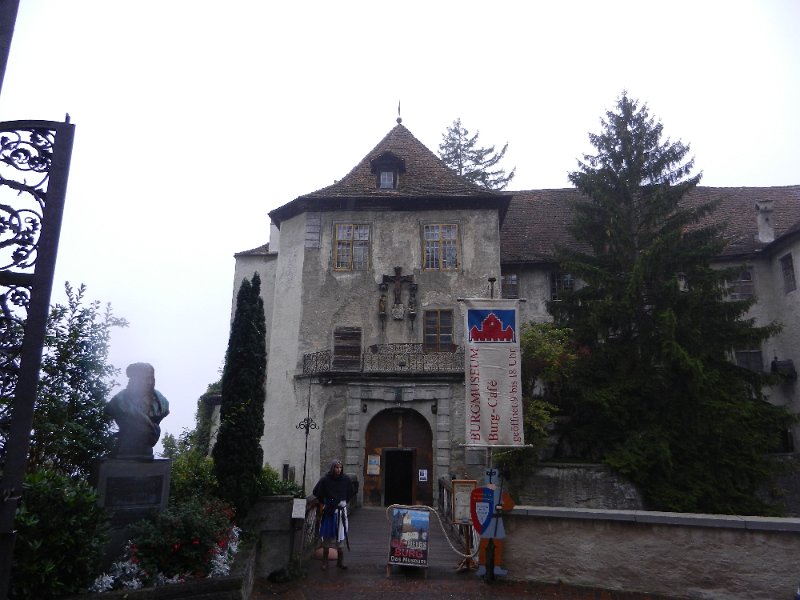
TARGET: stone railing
(679,555)
(391,358)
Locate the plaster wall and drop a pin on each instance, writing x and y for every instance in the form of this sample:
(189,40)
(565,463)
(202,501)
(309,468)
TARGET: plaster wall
(286,403)
(265,266)
(776,305)
(534,288)
(785,307)
(350,298)
(333,299)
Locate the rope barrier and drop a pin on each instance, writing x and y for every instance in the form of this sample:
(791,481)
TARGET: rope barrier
(430,510)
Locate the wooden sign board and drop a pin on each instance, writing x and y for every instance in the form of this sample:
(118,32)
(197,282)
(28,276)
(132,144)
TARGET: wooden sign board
(462,488)
(408,537)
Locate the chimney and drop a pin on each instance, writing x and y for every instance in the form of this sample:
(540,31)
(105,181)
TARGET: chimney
(766,229)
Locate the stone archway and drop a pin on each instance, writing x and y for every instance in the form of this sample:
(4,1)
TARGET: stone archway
(400,440)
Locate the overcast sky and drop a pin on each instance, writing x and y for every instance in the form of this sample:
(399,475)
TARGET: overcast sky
(195,118)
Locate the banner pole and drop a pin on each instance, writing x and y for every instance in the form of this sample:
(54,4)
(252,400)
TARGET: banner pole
(490,545)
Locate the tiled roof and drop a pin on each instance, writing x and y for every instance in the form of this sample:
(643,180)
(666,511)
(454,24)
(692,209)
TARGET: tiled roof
(425,173)
(537,220)
(262,250)
(422,178)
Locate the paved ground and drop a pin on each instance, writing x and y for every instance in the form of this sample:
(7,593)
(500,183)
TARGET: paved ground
(366,576)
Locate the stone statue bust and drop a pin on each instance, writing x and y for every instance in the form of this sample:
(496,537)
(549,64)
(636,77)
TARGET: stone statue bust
(138,410)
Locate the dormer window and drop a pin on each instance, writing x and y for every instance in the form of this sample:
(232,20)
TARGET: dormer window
(387,167)
(387,180)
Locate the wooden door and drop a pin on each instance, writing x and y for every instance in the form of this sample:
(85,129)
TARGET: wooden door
(399,439)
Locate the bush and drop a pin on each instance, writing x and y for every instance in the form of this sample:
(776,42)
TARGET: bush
(61,537)
(182,541)
(269,483)
(192,478)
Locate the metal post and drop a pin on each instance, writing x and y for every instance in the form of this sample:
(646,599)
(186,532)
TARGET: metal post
(8,20)
(307,424)
(490,546)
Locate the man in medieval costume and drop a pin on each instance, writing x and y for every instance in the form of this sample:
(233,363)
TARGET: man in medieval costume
(334,490)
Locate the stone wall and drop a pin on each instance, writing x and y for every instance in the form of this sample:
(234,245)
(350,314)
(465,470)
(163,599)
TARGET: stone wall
(578,486)
(673,554)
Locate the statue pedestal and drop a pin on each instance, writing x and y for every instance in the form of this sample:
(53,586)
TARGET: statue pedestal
(130,489)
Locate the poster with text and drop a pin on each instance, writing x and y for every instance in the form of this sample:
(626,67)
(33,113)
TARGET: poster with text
(408,540)
(492,364)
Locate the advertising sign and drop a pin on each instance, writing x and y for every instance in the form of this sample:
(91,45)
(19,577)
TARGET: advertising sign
(492,369)
(408,539)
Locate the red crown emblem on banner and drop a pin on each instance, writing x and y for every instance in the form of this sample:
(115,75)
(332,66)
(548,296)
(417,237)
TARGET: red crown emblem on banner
(491,331)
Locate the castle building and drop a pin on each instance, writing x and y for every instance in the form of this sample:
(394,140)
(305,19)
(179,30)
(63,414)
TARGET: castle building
(361,283)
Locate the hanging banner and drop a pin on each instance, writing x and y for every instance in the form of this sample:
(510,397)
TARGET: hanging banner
(492,364)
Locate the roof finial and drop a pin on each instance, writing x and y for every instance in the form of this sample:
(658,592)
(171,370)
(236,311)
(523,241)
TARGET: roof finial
(399,118)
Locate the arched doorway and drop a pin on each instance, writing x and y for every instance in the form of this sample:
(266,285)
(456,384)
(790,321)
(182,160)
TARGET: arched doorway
(398,461)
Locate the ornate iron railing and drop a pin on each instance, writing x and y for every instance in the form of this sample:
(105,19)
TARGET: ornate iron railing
(392,358)
(34,166)
(317,362)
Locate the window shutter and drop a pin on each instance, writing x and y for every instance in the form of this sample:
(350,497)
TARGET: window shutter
(347,349)
(313,228)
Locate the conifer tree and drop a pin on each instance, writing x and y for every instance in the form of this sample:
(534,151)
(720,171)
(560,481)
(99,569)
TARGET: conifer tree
(238,456)
(461,153)
(655,394)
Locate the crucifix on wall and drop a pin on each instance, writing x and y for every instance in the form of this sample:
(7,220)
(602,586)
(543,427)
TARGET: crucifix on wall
(396,281)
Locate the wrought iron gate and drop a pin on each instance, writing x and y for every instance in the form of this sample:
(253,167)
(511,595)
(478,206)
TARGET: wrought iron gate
(34,167)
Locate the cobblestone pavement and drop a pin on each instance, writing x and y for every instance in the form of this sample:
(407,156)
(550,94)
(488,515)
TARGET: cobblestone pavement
(350,586)
(366,576)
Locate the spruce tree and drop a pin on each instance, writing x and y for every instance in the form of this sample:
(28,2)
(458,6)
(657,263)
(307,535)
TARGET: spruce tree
(238,456)
(461,153)
(655,394)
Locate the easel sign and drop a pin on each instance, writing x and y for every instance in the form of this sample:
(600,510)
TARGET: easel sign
(462,488)
(408,537)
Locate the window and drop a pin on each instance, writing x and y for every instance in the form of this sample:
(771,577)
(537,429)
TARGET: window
(750,359)
(352,247)
(437,331)
(741,288)
(509,285)
(787,268)
(387,169)
(387,181)
(559,283)
(441,247)
(347,349)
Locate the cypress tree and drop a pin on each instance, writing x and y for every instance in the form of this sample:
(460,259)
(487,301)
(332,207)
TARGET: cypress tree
(238,456)
(655,394)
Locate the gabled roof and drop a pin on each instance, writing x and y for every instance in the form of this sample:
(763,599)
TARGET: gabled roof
(537,220)
(261,250)
(423,176)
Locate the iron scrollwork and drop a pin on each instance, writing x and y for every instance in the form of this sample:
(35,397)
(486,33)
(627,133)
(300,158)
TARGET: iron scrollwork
(26,157)
(34,168)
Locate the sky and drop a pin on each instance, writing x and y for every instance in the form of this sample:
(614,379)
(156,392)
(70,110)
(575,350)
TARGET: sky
(193,119)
